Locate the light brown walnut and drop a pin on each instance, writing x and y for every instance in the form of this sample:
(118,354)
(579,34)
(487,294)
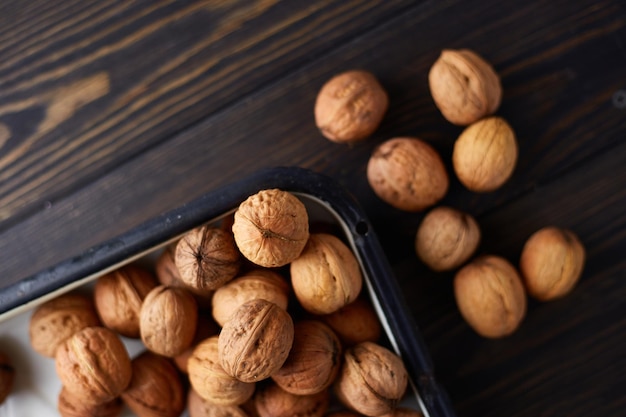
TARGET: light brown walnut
(205,328)
(199,407)
(273,401)
(166,269)
(350,106)
(271,228)
(69,405)
(408,174)
(355,323)
(490,296)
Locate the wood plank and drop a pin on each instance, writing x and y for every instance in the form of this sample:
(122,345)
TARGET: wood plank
(86,85)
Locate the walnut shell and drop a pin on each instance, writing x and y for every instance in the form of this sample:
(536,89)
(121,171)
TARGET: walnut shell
(464,86)
(7,376)
(255,342)
(273,401)
(156,389)
(372,380)
(207,258)
(118,296)
(210,381)
(313,361)
(408,174)
(56,320)
(490,296)
(355,323)
(94,365)
(446,238)
(205,328)
(271,228)
(552,262)
(350,106)
(166,269)
(69,405)
(404,412)
(258,283)
(326,276)
(485,154)
(199,407)
(168,320)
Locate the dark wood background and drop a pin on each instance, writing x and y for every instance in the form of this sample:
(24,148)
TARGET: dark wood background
(112,112)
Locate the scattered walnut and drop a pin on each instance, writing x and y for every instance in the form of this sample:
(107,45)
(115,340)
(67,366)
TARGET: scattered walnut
(271,228)
(273,401)
(56,320)
(408,174)
(350,106)
(446,238)
(490,296)
(207,258)
(118,296)
(93,365)
(485,154)
(326,276)
(313,361)
(71,406)
(255,342)
(156,389)
(552,262)
(7,376)
(355,323)
(199,407)
(464,86)
(372,380)
(167,320)
(210,381)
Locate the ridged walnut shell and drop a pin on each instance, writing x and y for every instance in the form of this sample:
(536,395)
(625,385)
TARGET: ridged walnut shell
(355,323)
(485,154)
(271,228)
(372,380)
(326,276)
(69,405)
(94,365)
(256,341)
(199,407)
(552,262)
(207,258)
(446,238)
(118,296)
(350,106)
(464,86)
(273,401)
(7,376)
(313,361)
(408,174)
(210,381)
(168,320)
(156,389)
(490,296)
(56,320)
(258,283)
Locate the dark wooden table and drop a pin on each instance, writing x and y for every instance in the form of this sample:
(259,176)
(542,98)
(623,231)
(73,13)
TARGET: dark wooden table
(112,112)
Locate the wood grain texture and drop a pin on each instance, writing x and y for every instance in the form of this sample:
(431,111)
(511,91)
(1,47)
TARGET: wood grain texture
(123,111)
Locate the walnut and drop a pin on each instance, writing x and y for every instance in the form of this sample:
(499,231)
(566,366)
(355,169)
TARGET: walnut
(156,389)
(372,380)
(552,262)
(94,365)
(255,342)
(446,238)
(165,267)
(350,106)
(7,376)
(273,401)
(210,381)
(485,154)
(355,323)
(71,406)
(408,174)
(199,407)
(313,361)
(464,86)
(56,320)
(167,320)
(404,412)
(271,228)
(205,328)
(207,258)
(118,296)
(258,283)
(326,276)
(490,296)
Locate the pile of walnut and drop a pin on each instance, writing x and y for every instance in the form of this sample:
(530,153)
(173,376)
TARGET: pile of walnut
(226,334)
(409,174)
